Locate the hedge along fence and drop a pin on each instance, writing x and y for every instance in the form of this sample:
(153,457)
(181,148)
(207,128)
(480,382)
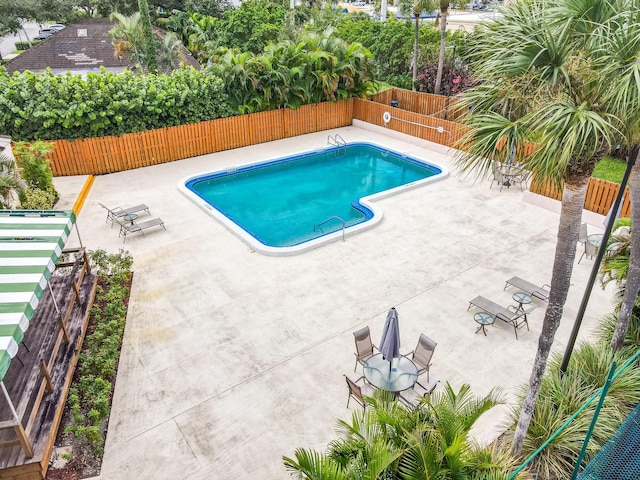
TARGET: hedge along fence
(423,103)
(133,150)
(600,195)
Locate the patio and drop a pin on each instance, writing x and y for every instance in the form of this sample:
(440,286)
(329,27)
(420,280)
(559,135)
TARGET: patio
(232,359)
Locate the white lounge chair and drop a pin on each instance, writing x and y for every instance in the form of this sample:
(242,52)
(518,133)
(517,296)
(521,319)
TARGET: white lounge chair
(527,287)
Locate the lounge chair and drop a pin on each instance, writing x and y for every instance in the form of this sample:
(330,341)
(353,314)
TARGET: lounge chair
(364,346)
(138,227)
(116,213)
(516,318)
(539,292)
(358,392)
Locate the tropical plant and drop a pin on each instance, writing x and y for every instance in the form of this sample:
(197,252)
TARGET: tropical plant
(389,441)
(562,395)
(615,263)
(33,163)
(128,38)
(444,11)
(415,8)
(149,40)
(11,184)
(317,68)
(541,85)
(621,36)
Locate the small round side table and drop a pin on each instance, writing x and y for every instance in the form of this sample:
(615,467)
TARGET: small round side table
(483,319)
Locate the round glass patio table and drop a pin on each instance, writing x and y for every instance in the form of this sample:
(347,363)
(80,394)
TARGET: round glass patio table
(522,299)
(595,239)
(395,376)
(130,217)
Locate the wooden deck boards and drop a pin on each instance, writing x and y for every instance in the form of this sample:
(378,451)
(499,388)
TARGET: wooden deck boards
(40,411)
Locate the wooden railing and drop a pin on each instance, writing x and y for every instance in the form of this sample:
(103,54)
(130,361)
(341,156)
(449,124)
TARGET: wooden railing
(133,150)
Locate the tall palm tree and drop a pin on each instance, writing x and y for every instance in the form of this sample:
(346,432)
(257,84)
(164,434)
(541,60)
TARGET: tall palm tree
(415,8)
(541,85)
(620,59)
(444,11)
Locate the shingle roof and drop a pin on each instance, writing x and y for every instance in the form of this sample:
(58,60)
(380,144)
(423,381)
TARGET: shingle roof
(82,46)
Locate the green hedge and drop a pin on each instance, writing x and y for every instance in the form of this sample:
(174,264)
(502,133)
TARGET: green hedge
(46,106)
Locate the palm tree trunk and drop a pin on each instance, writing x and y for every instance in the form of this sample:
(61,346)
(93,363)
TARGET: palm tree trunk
(443,42)
(570,217)
(415,52)
(632,284)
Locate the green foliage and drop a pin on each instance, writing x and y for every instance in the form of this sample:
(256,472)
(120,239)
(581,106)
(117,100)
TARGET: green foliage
(89,400)
(23,45)
(37,199)
(251,25)
(389,441)
(610,169)
(34,165)
(11,184)
(149,40)
(561,395)
(47,106)
(317,68)
(214,8)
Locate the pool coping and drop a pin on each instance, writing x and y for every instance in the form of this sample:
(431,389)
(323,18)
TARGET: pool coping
(367,201)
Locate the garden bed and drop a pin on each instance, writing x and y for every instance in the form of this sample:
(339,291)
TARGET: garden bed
(79,445)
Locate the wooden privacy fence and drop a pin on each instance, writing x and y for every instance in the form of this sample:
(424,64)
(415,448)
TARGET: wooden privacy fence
(600,195)
(133,150)
(414,124)
(414,116)
(424,103)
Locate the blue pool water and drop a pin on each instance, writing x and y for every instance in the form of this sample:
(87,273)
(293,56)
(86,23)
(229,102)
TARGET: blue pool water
(294,200)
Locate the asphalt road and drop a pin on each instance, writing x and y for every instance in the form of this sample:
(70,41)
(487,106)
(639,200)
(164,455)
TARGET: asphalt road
(7,43)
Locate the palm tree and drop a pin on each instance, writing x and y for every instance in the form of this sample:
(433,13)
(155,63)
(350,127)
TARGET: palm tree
(541,85)
(416,7)
(11,184)
(430,440)
(620,61)
(444,10)
(127,34)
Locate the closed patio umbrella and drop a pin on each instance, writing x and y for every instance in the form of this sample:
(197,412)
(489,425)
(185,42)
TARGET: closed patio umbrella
(390,341)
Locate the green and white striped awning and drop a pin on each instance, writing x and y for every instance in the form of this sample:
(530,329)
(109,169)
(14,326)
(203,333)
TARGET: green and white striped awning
(30,244)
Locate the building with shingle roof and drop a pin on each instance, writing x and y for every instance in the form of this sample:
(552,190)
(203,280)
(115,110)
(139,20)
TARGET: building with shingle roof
(82,47)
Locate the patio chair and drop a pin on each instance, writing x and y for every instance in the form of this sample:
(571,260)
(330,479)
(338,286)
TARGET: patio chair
(116,213)
(527,287)
(496,172)
(412,397)
(511,315)
(358,392)
(590,250)
(364,346)
(582,236)
(422,354)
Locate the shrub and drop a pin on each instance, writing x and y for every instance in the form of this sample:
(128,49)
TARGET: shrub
(37,199)
(23,46)
(455,79)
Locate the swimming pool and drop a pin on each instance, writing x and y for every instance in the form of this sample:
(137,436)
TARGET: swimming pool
(289,205)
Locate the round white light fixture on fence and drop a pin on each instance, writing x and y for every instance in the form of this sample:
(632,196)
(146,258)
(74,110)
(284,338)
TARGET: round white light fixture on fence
(386,116)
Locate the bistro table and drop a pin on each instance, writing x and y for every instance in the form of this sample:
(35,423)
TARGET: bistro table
(395,376)
(130,217)
(483,319)
(522,299)
(595,239)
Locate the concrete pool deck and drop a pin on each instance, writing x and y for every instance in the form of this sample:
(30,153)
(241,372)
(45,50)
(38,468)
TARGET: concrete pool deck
(232,359)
